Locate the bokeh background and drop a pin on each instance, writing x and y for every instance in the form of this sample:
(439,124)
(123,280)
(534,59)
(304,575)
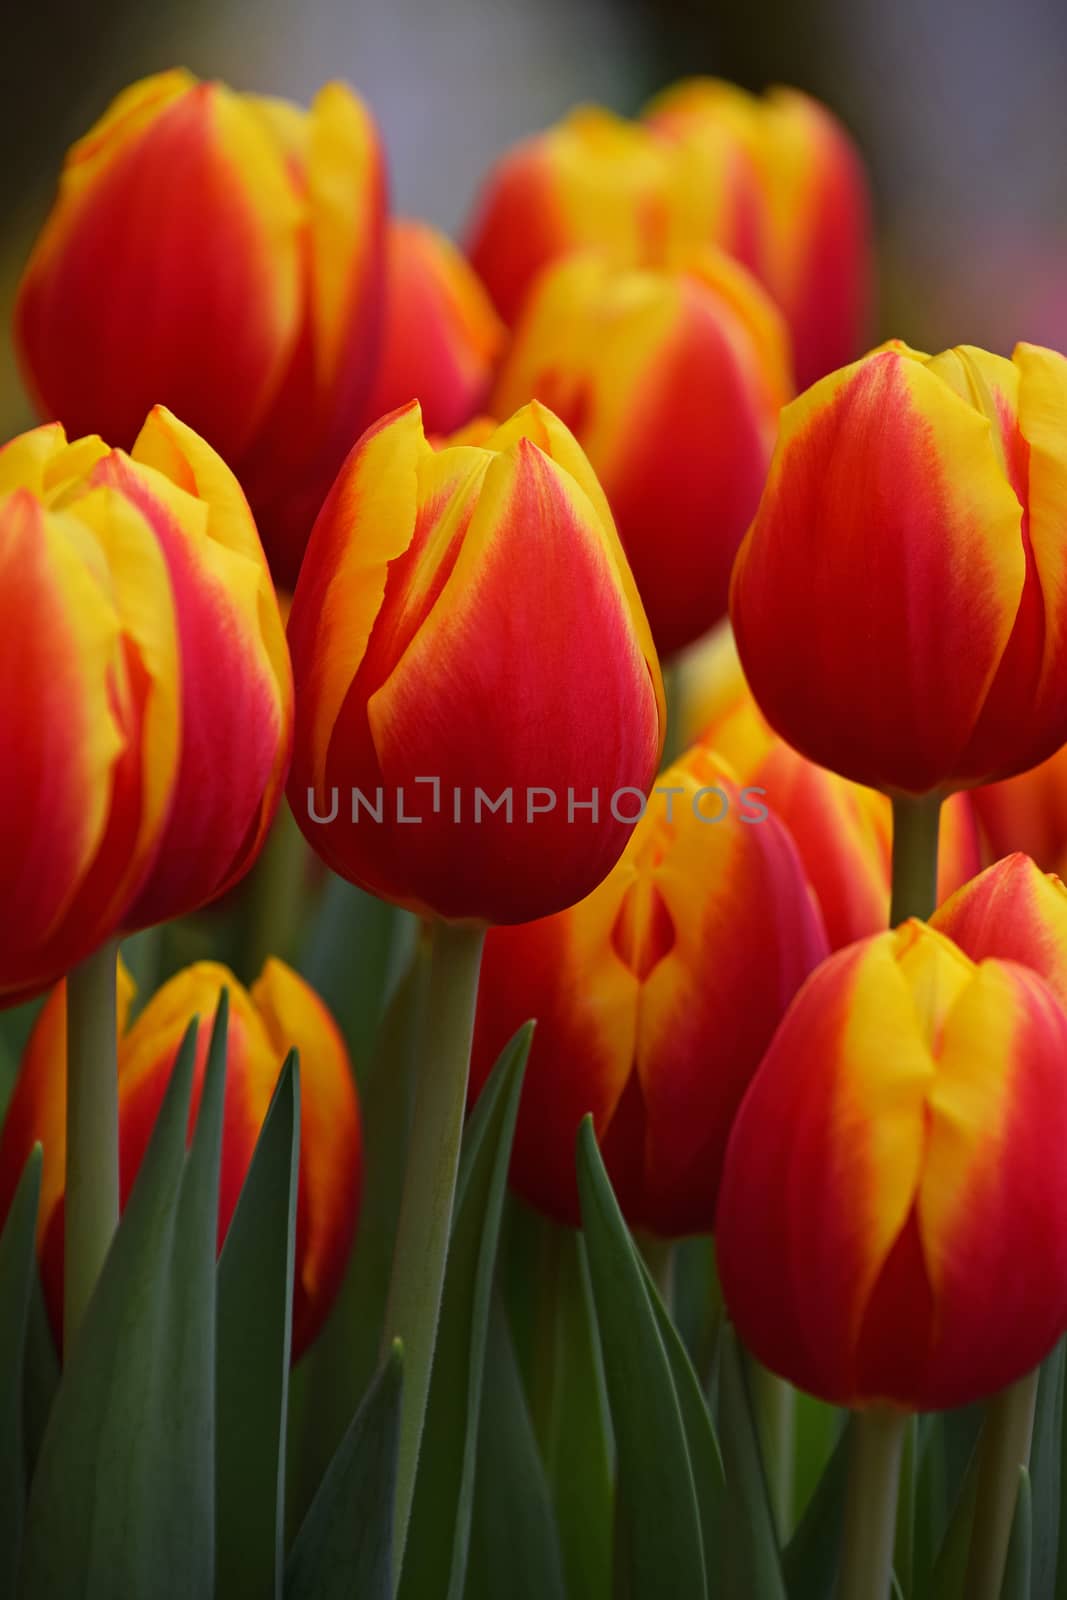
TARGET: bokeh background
(960,107)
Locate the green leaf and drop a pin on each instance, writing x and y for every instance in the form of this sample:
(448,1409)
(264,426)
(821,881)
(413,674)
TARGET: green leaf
(439,1536)
(344,1550)
(753,1564)
(810,1559)
(330,1381)
(950,1568)
(658,1517)
(568,1395)
(40,1377)
(17,1268)
(1017,1568)
(122,1501)
(514,1542)
(1046,1475)
(255,1290)
(705,1458)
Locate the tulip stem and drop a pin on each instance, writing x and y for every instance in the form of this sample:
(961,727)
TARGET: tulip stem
(1004,1448)
(421,1248)
(91,1209)
(871,1505)
(916,825)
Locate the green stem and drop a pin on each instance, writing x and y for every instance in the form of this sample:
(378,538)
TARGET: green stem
(276,893)
(421,1247)
(916,824)
(1003,1449)
(871,1505)
(775,1405)
(91,1206)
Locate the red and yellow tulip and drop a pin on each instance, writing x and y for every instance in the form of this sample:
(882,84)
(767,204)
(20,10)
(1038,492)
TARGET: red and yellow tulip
(672,382)
(90,738)
(442,337)
(1015,912)
(655,999)
(1029,813)
(919,506)
(777,182)
(475,678)
(892,1222)
(279,1013)
(227,672)
(222,254)
(843,831)
(593,181)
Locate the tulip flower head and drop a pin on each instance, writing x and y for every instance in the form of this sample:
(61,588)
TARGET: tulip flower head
(222,254)
(592,182)
(479,704)
(280,1012)
(672,382)
(442,337)
(776,182)
(1013,911)
(90,739)
(655,998)
(892,1222)
(1029,813)
(917,504)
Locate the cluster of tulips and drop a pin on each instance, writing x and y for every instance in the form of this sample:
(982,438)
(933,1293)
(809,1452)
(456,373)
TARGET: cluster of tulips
(796,989)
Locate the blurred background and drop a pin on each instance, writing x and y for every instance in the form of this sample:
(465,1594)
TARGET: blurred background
(959,108)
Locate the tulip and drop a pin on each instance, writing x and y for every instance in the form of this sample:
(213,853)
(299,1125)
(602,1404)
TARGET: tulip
(479,706)
(1015,912)
(655,999)
(594,181)
(842,831)
(916,504)
(210,816)
(672,383)
(279,1013)
(442,336)
(777,183)
(1029,813)
(90,738)
(222,254)
(892,1221)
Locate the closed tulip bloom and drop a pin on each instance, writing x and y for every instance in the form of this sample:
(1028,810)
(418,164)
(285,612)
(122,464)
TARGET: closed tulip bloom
(593,181)
(91,730)
(776,181)
(918,506)
(672,382)
(280,1012)
(892,1223)
(475,680)
(1029,813)
(655,999)
(231,660)
(442,337)
(1014,911)
(842,831)
(222,254)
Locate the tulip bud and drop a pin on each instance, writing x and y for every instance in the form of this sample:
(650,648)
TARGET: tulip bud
(1015,912)
(281,1012)
(892,1222)
(777,183)
(916,504)
(593,181)
(655,1000)
(842,831)
(221,254)
(442,336)
(672,383)
(1029,813)
(479,705)
(90,736)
